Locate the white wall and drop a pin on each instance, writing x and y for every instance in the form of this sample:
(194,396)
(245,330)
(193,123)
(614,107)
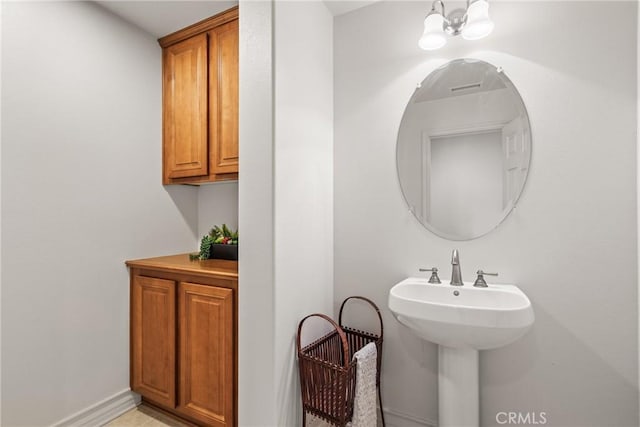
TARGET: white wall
(217,204)
(81,193)
(256,335)
(285,197)
(0,216)
(303,185)
(571,243)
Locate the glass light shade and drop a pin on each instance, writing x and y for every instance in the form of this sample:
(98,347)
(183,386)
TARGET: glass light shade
(478,23)
(434,36)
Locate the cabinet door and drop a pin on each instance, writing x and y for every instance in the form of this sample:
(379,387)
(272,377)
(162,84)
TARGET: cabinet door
(206,390)
(223,97)
(185,138)
(153,339)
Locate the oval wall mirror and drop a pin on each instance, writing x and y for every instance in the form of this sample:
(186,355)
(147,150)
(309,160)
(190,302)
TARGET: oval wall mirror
(463,149)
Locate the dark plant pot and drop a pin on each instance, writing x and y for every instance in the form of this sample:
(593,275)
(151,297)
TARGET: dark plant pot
(224,252)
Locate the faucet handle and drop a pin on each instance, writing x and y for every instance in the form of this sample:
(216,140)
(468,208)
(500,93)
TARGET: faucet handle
(434,274)
(480,282)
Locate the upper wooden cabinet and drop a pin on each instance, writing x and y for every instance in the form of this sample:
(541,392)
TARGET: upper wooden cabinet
(223,98)
(185,109)
(200,101)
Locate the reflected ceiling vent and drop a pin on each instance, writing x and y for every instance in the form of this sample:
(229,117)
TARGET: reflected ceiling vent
(466,87)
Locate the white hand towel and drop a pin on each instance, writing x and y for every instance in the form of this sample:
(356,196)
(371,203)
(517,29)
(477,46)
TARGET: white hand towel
(365,413)
(313,421)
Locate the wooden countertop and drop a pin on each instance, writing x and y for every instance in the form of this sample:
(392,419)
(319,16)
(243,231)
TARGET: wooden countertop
(181,263)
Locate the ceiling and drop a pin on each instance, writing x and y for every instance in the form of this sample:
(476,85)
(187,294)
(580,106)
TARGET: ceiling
(160,17)
(340,7)
(459,79)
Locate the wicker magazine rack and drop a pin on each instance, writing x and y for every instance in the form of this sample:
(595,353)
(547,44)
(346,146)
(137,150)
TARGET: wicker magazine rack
(328,370)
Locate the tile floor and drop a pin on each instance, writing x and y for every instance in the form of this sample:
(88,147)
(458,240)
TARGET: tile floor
(144,416)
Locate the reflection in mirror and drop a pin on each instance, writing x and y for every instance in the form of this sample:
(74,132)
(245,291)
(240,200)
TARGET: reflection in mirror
(463,150)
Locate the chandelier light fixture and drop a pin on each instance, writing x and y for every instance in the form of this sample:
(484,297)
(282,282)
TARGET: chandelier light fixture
(472,23)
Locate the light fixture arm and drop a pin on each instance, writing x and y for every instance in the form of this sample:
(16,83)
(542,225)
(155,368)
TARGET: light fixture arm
(433,8)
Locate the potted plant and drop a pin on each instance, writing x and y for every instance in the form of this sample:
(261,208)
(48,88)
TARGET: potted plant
(220,243)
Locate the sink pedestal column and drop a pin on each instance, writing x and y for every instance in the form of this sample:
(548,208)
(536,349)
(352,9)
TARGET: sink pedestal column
(458,391)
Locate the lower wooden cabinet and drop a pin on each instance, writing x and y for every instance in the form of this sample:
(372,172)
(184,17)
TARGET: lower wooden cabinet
(183,343)
(206,362)
(153,336)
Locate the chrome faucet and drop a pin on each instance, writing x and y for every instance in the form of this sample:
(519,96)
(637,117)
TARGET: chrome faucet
(456,276)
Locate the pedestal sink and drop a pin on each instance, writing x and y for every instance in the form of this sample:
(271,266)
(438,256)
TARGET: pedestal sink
(462,320)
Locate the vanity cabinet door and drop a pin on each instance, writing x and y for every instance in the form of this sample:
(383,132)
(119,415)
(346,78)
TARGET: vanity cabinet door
(186,149)
(206,391)
(153,337)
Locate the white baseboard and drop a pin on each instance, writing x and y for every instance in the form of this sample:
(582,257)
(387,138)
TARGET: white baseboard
(103,411)
(112,407)
(395,418)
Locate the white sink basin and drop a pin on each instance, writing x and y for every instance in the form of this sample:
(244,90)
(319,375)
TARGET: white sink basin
(475,318)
